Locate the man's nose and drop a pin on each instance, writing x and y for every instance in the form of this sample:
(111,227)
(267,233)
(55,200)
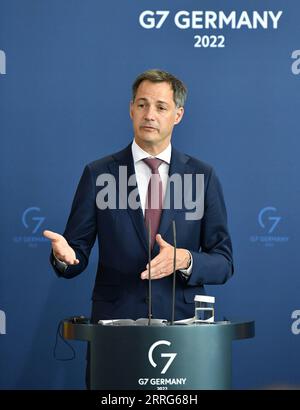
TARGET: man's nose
(149,113)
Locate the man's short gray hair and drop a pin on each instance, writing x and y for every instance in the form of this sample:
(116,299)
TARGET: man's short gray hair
(160,76)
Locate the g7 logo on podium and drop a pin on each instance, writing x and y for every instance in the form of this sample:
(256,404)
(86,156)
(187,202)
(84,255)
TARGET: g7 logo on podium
(170,355)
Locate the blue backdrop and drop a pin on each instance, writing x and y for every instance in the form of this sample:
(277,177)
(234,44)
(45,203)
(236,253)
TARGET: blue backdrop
(66,69)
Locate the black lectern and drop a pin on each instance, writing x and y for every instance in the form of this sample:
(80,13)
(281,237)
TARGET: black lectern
(160,357)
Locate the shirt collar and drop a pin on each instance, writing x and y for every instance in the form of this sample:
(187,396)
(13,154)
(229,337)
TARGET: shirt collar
(139,154)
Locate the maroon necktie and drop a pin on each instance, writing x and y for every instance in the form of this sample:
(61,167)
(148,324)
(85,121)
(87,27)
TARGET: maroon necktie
(154,198)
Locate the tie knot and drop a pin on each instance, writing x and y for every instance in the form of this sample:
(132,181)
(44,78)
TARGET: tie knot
(153,164)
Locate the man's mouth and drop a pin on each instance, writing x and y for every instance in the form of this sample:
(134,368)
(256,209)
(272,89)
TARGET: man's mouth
(148,127)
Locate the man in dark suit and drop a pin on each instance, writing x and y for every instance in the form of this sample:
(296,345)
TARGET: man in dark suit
(204,252)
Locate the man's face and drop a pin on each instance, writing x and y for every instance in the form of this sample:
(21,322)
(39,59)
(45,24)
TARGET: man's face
(154,114)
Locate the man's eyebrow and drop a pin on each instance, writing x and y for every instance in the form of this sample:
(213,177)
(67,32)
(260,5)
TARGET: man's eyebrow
(157,102)
(162,102)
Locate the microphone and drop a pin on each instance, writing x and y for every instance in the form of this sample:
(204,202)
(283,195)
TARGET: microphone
(149,277)
(174,273)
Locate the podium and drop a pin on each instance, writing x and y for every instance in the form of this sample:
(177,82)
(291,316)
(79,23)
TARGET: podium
(159,357)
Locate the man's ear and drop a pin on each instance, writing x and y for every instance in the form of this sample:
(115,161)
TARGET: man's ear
(130,108)
(179,115)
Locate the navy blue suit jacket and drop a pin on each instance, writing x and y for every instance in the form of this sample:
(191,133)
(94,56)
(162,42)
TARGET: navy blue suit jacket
(122,241)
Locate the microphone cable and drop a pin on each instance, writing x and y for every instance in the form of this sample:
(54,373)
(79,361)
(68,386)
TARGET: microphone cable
(59,334)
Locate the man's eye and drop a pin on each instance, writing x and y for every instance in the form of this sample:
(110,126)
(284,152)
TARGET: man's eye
(141,105)
(162,108)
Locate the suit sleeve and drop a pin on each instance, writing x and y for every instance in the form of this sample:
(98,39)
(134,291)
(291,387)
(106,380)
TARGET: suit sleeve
(213,264)
(81,228)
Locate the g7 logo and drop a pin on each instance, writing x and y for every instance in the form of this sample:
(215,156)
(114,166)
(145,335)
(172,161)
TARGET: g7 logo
(148,18)
(275,219)
(39,219)
(170,355)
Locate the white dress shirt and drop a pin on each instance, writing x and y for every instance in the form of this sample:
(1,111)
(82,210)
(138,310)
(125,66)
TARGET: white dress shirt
(143,171)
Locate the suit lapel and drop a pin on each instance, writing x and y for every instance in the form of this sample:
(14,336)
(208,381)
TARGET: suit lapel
(124,158)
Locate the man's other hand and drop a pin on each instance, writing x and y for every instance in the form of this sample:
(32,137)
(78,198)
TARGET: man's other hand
(61,249)
(162,264)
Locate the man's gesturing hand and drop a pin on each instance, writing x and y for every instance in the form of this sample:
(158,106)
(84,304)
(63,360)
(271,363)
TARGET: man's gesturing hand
(61,249)
(162,264)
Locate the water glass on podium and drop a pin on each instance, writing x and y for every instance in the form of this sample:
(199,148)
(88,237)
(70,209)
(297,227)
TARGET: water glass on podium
(204,308)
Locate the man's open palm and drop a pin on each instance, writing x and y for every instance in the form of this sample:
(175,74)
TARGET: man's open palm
(61,249)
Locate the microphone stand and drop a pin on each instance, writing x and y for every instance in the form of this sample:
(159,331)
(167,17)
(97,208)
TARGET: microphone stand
(149,277)
(174,274)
